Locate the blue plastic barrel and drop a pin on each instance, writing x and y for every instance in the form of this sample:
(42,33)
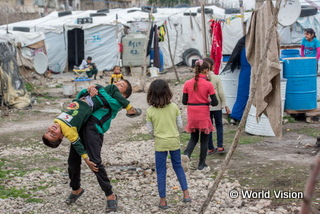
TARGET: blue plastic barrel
(161,58)
(301,75)
(289,53)
(225,58)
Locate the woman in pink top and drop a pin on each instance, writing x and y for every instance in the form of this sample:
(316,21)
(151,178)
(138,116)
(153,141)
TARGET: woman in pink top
(196,93)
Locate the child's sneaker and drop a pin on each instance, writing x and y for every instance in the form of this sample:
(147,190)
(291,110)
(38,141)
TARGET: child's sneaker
(211,151)
(185,162)
(221,150)
(185,159)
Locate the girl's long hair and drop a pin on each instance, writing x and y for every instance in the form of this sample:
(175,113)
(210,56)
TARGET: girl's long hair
(310,31)
(159,94)
(200,65)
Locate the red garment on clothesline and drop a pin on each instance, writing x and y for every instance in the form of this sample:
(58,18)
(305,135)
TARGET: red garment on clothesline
(216,48)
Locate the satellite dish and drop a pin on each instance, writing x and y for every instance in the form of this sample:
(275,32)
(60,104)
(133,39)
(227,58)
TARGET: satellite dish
(289,12)
(40,63)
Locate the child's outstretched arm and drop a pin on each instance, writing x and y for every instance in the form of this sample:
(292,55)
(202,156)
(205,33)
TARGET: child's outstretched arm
(91,165)
(179,123)
(302,50)
(149,124)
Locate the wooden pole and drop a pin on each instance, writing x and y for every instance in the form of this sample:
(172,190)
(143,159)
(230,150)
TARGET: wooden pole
(242,17)
(310,187)
(259,3)
(1,88)
(171,57)
(144,66)
(203,19)
(241,126)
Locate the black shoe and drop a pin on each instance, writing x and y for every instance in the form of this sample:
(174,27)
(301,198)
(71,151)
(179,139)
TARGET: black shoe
(202,166)
(234,121)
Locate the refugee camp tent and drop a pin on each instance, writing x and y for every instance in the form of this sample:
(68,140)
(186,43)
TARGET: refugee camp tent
(16,49)
(185,30)
(101,37)
(293,34)
(68,41)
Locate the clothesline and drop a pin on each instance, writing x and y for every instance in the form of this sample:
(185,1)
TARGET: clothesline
(227,20)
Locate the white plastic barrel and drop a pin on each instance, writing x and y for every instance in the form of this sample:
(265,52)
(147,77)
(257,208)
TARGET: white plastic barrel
(153,72)
(230,86)
(263,127)
(69,88)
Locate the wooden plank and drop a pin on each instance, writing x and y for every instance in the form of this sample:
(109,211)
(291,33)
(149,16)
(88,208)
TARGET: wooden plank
(313,119)
(288,111)
(290,46)
(315,112)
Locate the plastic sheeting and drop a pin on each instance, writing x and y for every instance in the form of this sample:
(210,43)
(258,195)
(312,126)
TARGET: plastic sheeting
(56,44)
(101,44)
(23,38)
(185,31)
(12,87)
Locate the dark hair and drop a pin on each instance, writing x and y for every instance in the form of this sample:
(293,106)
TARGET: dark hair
(209,60)
(89,58)
(128,91)
(310,31)
(53,144)
(159,94)
(200,66)
(115,67)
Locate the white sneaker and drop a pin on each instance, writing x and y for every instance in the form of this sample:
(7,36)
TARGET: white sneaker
(185,167)
(185,159)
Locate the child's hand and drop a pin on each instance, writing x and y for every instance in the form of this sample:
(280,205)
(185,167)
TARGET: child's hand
(227,110)
(92,90)
(91,165)
(132,111)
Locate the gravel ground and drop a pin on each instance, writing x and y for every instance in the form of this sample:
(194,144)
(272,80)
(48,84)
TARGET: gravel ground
(129,163)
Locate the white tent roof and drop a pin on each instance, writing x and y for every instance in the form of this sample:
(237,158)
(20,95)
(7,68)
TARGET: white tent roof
(187,38)
(24,38)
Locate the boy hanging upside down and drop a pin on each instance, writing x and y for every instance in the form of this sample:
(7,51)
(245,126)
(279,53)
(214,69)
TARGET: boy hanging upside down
(68,123)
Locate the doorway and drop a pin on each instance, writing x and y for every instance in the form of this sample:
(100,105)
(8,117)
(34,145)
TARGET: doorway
(75,47)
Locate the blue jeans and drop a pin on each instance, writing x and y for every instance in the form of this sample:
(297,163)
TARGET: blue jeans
(161,159)
(217,115)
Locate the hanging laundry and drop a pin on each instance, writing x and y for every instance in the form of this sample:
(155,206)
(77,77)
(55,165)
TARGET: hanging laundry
(162,33)
(216,48)
(156,54)
(150,40)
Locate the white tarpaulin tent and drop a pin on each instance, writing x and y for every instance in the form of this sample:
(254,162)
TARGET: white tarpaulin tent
(101,39)
(293,34)
(29,44)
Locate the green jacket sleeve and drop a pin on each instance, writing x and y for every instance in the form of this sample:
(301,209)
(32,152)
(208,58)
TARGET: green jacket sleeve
(81,93)
(78,146)
(113,103)
(114,92)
